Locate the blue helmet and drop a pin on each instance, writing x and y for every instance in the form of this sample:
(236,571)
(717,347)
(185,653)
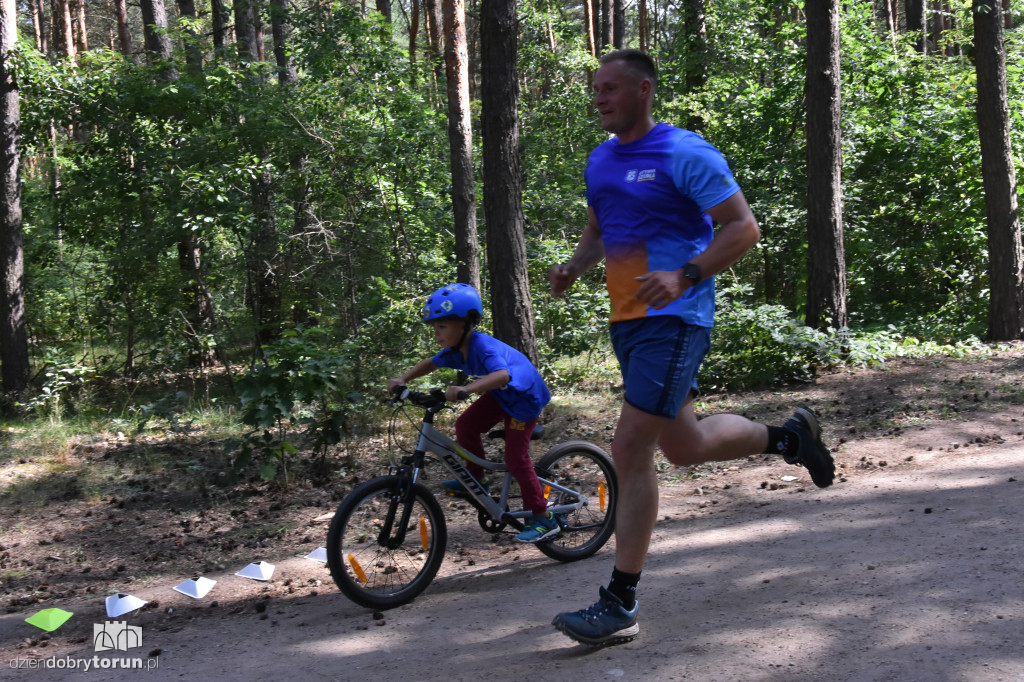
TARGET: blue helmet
(455,300)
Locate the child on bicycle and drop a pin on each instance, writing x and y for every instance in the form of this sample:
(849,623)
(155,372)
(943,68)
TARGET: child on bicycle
(512,390)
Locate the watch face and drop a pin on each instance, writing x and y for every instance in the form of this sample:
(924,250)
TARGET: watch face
(692,271)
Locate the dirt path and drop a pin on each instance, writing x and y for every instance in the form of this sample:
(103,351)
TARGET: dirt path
(907,569)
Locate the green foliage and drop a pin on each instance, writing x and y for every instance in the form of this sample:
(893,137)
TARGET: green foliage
(299,385)
(357,225)
(63,379)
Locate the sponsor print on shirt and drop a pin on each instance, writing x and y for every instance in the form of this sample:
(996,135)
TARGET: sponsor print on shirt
(636,175)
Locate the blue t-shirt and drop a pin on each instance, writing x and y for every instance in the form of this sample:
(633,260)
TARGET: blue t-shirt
(650,198)
(525,394)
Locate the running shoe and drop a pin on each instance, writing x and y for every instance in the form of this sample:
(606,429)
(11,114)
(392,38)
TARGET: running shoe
(603,624)
(811,452)
(539,527)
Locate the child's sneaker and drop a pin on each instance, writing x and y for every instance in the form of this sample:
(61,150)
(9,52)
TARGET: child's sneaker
(453,486)
(539,527)
(604,623)
(811,452)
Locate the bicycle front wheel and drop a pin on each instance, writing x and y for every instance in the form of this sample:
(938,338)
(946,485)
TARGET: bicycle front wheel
(376,559)
(588,471)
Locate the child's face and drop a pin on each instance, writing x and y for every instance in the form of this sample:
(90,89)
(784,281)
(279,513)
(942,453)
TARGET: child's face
(448,332)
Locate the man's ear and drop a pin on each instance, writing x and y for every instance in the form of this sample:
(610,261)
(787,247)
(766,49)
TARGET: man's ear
(646,88)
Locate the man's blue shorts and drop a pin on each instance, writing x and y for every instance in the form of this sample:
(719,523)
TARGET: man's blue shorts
(659,357)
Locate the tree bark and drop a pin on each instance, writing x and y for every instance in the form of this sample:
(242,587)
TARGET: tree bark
(460,141)
(606,25)
(245,31)
(281,29)
(78,23)
(1005,269)
(917,10)
(414,32)
(643,21)
(588,21)
(158,44)
(619,24)
(124,35)
(14,359)
(826,294)
(61,31)
(221,18)
(384,7)
(511,307)
(39,24)
(264,250)
(435,32)
(193,50)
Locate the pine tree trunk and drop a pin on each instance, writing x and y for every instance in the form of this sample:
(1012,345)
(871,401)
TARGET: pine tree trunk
(124,35)
(1005,270)
(281,29)
(158,44)
(39,25)
(61,31)
(460,141)
(14,359)
(221,20)
(503,203)
(193,50)
(826,289)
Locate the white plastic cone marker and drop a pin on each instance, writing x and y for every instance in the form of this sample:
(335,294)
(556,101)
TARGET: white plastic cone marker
(318,554)
(120,604)
(49,619)
(197,588)
(257,571)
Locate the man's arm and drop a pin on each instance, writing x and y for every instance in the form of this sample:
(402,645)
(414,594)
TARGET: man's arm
(737,234)
(589,252)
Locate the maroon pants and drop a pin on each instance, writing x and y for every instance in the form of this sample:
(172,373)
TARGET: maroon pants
(479,418)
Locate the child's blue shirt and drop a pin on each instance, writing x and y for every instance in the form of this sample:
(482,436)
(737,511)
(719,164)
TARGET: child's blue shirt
(525,394)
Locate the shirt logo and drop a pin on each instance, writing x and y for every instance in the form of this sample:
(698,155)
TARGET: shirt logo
(631,175)
(646,175)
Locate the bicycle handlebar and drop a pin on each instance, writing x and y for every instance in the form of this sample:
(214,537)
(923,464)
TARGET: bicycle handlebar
(432,400)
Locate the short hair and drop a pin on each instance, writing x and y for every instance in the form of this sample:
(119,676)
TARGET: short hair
(637,62)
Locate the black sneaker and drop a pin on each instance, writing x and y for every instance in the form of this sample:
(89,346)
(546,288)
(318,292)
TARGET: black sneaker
(602,624)
(811,452)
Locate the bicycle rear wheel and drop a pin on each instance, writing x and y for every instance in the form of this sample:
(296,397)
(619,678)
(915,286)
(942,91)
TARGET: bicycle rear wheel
(376,562)
(588,470)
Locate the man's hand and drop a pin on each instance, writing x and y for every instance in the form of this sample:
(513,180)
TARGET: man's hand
(393,384)
(660,287)
(561,278)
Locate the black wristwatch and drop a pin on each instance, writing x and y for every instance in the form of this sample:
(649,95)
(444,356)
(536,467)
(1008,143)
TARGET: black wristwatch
(692,271)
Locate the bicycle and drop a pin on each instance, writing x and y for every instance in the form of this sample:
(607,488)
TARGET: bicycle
(387,539)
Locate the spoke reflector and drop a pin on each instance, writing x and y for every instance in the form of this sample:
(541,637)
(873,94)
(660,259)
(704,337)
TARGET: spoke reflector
(356,568)
(547,492)
(601,492)
(424,533)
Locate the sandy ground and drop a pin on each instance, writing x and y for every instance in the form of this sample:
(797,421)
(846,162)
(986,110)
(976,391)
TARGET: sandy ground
(908,568)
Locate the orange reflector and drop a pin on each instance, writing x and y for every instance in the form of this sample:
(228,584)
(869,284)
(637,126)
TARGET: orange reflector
(547,491)
(601,493)
(424,535)
(356,568)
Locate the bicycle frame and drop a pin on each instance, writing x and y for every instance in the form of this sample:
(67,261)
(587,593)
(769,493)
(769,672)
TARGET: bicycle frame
(452,455)
(408,523)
